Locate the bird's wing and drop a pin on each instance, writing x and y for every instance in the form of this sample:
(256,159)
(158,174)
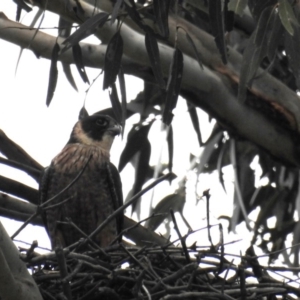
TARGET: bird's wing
(43,192)
(43,197)
(115,185)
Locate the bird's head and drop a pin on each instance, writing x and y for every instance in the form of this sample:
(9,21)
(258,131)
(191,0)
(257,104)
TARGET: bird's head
(97,130)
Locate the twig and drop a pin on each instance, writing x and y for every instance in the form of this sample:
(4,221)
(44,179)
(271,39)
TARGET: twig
(24,225)
(138,262)
(241,273)
(108,293)
(134,226)
(86,296)
(182,240)
(123,207)
(84,235)
(221,243)
(50,200)
(207,196)
(30,251)
(57,204)
(225,276)
(137,287)
(147,292)
(74,272)
(63,272)
(69,185)
(179,274)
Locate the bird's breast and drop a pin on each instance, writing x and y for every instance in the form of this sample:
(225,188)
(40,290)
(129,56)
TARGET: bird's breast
(74,157)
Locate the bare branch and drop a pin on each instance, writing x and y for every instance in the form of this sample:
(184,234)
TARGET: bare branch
(14,152)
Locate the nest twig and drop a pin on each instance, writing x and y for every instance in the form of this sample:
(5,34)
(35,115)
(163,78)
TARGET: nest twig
(155,272)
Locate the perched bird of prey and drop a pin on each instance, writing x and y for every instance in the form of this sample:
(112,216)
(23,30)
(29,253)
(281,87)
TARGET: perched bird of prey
(96,192)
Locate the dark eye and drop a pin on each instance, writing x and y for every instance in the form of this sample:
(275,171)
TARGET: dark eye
(101,122)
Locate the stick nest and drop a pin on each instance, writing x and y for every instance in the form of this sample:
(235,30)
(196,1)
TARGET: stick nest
(155,272)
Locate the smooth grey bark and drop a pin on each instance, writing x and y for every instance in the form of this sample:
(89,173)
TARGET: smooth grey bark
(15,280)
(205,88)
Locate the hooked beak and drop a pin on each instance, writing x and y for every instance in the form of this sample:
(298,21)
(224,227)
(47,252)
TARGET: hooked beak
(115,129)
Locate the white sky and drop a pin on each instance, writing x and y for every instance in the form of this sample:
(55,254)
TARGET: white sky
(43,131)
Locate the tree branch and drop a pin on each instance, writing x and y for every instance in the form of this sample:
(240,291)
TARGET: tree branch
(263,85)
(207,90)
(20,211)
(34,173)
(18,189)
(14,152)
(15,280)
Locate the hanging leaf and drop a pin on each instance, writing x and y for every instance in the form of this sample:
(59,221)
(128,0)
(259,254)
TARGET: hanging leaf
(208,150)
(170,141)
(162,209)
(243,183)
(141,175)
(195,121)
(79,63)
(161,10)
(173,86)
(224,147)
(292,50)
(228,17)
(153,53)
(23,5)
(38,14)
(136,140)
(78,9)
(134,15)
(112,62)
(86,29)
(266,198)
(197,54)
(64,30)
(295,246)
(284,214)
(257,6)
(53,74)
(115,11)
(69,75)
(123,97)
(237,6)
(255,51)
(287,16)
(64,27)
(217,26)
(275,36)
(115,103)
(18,13)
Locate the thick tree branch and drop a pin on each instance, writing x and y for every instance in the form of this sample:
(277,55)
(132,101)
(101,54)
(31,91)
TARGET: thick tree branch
(209,91)
(263,85)
(15,280)
(34,173)
(14,152)
(16,209)
(19,210)
(18,189)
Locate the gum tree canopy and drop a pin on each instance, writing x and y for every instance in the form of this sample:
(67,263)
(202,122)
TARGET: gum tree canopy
(236,60)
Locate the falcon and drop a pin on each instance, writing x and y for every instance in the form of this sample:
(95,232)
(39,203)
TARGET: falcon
(83,186)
